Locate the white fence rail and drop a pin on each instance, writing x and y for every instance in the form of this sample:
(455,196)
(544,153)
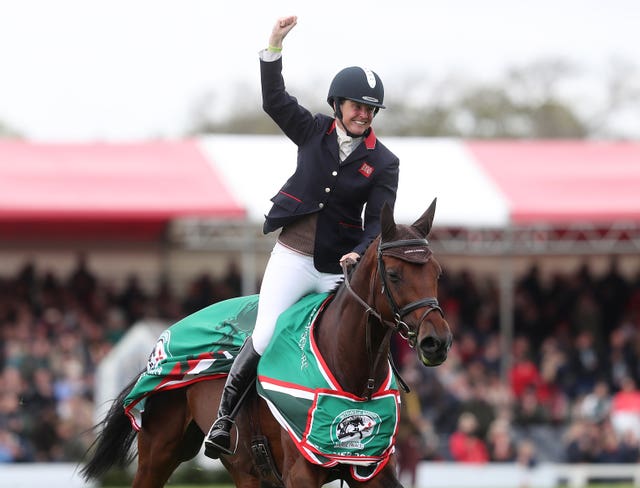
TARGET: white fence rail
(49,475)
(578,475)
(544,475)
(430,475)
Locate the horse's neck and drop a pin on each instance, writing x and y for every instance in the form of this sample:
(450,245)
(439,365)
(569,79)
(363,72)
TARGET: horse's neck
(342,339)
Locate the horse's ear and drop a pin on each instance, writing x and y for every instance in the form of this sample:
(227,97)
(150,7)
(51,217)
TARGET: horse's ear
(387,224)
(423,224)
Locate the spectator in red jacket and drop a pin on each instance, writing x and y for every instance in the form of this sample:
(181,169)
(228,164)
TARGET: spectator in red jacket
(625,408)
(524,373)
(464,444)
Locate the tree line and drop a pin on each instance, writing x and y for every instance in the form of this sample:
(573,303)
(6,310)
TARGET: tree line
(546,99)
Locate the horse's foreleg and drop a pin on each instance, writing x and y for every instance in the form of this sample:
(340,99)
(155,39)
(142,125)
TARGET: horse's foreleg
(386,478)
(297,471)
(303,473)
(164,422)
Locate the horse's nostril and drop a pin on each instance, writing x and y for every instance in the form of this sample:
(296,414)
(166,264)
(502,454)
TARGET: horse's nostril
(430,344)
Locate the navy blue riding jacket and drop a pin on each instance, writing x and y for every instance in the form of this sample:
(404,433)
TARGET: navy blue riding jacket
(321,183)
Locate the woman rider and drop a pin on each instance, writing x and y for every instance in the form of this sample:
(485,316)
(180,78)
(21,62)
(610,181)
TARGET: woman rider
(342,169)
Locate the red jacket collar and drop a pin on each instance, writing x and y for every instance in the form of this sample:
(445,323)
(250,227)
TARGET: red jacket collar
(370,140)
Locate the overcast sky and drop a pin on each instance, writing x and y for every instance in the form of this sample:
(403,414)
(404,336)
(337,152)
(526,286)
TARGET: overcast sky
(78,70)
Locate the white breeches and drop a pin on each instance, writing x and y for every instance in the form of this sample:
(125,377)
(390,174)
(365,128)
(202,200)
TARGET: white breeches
(288,277)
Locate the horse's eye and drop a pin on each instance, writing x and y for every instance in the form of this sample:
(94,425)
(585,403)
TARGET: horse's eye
(393,275)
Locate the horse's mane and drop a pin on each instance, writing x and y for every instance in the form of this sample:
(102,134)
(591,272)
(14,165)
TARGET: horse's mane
(338,285)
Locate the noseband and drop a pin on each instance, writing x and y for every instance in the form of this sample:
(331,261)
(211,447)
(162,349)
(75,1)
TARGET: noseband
(398,325)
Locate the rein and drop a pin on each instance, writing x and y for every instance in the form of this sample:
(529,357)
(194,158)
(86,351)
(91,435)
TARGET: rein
(398,324)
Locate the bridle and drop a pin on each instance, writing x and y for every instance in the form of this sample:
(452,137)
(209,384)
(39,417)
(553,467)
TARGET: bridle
(406,332)
(398,324)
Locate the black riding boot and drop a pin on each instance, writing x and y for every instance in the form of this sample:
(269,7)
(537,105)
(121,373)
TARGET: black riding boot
(243,372)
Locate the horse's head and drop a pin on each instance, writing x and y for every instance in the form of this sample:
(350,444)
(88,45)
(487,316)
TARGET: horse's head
(409,274)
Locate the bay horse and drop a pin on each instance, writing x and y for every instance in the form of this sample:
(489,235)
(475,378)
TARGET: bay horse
(392,289)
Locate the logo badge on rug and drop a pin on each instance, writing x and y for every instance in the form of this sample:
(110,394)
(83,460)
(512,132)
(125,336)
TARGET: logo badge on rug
(353,429)
(366,169)
(159,354)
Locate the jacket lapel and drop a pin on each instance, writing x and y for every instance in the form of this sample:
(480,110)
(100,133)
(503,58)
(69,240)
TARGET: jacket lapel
(358,153)
(369,143)
(331,141)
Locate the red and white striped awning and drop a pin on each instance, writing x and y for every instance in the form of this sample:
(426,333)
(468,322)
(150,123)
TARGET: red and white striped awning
(477,183)
(132,190)
(127,191)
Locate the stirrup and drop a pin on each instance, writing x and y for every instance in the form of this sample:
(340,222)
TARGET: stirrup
(213,449)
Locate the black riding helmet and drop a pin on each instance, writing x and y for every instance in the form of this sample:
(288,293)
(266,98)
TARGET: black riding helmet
(358,84)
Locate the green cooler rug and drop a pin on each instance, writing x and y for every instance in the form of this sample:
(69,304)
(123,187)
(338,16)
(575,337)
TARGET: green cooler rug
(328,425)
(198,347)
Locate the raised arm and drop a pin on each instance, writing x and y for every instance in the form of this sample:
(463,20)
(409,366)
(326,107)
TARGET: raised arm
(281,29)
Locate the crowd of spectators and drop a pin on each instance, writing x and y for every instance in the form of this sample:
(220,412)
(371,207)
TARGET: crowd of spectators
(54,331)
(570,393)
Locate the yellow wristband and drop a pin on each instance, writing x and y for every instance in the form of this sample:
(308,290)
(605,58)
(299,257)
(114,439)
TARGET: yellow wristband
(274,49)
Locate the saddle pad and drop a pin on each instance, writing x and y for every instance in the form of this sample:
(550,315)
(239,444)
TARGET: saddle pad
(328,425)
(200,346)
